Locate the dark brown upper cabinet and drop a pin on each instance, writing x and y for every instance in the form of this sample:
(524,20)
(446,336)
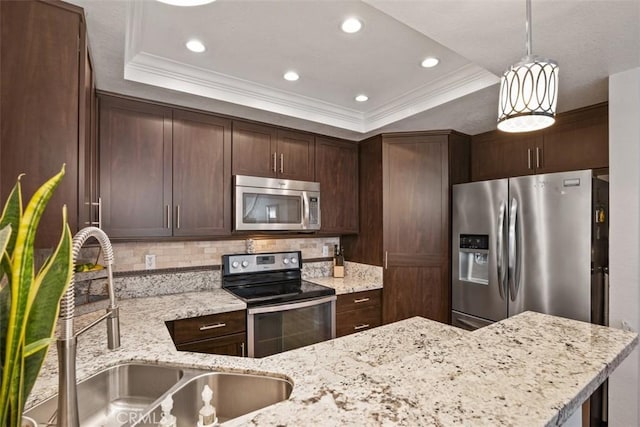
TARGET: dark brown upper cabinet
(135,168)
(337,172)
(164,172)
(43,105)
(578,140)
(260,150)
(201,174)
(405,183)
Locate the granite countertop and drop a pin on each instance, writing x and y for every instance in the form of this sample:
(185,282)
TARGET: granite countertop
(347,284)
(531,369)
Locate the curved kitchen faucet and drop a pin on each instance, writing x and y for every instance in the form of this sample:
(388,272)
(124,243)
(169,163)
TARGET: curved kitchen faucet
(67,340)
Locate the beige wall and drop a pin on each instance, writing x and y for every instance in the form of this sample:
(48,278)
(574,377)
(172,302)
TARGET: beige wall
(624,238)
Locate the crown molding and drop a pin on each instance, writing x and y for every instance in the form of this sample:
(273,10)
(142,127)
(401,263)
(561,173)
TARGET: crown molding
(147,68)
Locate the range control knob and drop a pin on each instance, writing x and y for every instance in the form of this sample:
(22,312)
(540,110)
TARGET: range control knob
(285,261)
(245,263)
(235,264)
(294,260)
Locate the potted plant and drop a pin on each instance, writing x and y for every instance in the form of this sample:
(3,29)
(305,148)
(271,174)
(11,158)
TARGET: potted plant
(29,301)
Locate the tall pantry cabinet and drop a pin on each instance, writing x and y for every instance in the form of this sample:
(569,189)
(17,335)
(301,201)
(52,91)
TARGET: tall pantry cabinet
(45,96)
(405,184)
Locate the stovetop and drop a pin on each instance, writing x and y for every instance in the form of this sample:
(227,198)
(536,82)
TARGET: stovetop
(278,293)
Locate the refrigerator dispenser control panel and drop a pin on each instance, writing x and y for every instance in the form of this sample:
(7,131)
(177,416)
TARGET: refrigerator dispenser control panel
(474,241)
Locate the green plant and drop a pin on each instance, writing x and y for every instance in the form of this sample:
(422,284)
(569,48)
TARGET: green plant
(29,302)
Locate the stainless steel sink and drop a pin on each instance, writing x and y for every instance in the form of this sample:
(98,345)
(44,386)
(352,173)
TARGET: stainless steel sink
(115,396)
(234,395)
(130,395)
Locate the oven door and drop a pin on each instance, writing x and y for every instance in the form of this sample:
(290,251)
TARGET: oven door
(277,328)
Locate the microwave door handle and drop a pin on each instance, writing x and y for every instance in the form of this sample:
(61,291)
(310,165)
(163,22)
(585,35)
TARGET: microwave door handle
(305,210)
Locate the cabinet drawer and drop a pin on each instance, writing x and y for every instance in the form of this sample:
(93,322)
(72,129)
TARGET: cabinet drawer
(358,300)
(349,322)
(229,345)
(215,325)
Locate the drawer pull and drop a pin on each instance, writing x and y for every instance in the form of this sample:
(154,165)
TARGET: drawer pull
(214,326)
(358,301)
(357,328)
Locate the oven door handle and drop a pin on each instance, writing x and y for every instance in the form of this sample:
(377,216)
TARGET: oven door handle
(290,306)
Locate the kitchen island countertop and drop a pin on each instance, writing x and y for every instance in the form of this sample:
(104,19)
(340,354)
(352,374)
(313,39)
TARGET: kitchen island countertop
(531,369)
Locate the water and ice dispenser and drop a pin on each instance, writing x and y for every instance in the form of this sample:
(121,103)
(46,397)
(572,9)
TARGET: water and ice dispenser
(474,258)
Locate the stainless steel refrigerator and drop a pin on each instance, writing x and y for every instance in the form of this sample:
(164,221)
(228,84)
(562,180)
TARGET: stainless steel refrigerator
(536,242)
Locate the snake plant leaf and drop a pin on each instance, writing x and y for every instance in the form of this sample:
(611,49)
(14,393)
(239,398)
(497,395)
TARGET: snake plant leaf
(23,293)
(52,281)
(5,294)
(11,214)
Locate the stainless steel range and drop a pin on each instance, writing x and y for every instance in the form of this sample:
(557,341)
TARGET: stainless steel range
(283,311)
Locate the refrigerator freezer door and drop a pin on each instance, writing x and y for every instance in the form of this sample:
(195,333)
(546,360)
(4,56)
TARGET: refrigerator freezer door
(553,244)
(479,209)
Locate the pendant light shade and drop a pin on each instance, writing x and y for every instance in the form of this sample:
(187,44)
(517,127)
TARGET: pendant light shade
(528,91)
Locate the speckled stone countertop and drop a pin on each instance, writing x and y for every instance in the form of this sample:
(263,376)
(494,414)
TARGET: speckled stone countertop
(346,285)
(531,369)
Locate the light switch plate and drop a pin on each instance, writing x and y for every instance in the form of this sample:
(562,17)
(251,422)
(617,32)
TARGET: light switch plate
(325,250)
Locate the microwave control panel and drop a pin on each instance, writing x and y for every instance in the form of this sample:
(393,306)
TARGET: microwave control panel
(314,210)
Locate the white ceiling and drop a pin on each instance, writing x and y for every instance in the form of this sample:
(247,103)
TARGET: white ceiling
(138,49)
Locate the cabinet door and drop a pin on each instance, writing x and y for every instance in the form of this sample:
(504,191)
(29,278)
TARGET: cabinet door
(337,173)
(40,114)
(201,174)
(135,168)
(498,154)
(229,345)
(579,140)
(416,227)
(295,155)
(254,150)
(416,291)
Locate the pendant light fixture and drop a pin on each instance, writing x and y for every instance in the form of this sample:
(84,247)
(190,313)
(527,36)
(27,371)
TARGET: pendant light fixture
(528,91)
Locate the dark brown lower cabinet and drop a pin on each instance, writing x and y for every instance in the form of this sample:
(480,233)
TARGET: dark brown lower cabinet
(417,291)
(223,333)
(228,345)
(358,311)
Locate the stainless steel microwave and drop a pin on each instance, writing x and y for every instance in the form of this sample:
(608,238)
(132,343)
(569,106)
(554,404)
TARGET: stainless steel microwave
(271,204)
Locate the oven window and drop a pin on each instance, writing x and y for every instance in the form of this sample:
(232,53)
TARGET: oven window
(285,330)
(271,209)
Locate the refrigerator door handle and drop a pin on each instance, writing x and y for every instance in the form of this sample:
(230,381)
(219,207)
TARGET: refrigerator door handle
(500,250)
(513,214)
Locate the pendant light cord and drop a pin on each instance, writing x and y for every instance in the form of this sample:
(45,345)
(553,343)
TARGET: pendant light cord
(528,31)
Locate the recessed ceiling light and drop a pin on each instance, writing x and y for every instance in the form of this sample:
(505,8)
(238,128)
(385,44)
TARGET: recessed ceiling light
(362,98)
(186,2)
(292,76)
(195,46)
(351,25)
(430,62)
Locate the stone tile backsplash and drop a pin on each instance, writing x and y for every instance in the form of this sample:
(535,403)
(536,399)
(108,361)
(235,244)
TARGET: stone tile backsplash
(131,256)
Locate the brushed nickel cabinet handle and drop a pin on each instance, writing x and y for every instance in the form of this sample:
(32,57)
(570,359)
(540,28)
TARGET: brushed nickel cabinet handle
(274,161)
(178,216)
(242,349)
(97,223)
(357,328)
(358,301)
(386,259)
(528,158)
(100,213)
(281,163)
(214,326)
(538,156)
(168,216)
